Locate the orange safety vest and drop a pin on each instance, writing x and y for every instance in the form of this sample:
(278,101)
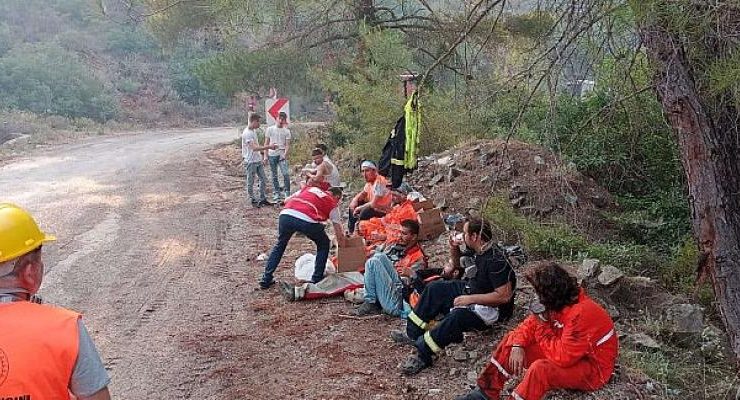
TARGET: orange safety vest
(387,228)
(386,200)
(38,351)
(403,266)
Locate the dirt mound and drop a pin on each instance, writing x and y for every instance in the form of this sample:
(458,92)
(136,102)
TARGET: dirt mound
(535,181)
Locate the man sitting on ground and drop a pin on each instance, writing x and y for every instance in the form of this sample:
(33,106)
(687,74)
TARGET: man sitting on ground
(387,269)
(403,257)
(567,343)
(375,198)
(487,297)
(305,212)
(378,230)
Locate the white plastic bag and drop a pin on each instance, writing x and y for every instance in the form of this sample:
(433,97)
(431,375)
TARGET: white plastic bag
(304,267)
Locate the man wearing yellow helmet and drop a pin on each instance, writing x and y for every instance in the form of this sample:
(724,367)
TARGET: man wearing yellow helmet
(45,351)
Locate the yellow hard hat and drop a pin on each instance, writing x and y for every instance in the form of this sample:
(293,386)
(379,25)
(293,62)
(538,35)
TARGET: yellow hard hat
(19,233)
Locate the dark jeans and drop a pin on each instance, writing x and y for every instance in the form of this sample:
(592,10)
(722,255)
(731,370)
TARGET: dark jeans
(438,298)
(364,215)
(287,226)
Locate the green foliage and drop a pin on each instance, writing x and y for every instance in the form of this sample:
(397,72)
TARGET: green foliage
(235,71)
(47,79)
(184,79)
(130,40)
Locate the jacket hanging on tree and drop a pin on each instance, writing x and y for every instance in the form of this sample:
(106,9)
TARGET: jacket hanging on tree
(400,151)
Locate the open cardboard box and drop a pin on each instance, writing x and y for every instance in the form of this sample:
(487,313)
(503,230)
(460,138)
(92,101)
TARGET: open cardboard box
(350,254)
(431,224)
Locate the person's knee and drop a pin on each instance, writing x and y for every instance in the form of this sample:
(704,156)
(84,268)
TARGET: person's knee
(539,370)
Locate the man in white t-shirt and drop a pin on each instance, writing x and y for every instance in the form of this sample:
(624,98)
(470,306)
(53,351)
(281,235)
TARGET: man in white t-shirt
(253,160)
(279,135)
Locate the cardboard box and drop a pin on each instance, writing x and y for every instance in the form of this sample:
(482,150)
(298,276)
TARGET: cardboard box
(351,254)
(423,205)
(431,224)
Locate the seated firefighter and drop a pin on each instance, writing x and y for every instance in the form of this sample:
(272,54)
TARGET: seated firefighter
(405,255)
(378,230)
(373,201)
(568,343)
(388,268)
(472,304)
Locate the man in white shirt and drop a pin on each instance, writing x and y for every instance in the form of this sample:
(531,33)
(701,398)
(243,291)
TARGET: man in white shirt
(253,160)
(279,135)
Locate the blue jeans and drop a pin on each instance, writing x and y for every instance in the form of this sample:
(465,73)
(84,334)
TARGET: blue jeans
(383,285)
(252,169)
(287,226)
(275,163)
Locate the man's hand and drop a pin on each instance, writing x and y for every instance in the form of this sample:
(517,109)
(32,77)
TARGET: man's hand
(357,210)
(516,361)
(462,301)
(272,147)
(448,270)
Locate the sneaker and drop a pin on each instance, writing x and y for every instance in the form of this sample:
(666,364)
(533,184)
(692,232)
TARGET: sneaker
(256,204)
(475,394)
(367,309)
(401,337)
(288,291)
(264,202)
(413,365)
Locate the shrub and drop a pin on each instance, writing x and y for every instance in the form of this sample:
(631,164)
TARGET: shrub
(29,83)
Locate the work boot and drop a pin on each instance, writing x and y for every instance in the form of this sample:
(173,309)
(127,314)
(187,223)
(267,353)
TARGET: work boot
(367,308)
(265,285)
(413,365)
(288,291)
(401,337)
(474,394)
(264,202)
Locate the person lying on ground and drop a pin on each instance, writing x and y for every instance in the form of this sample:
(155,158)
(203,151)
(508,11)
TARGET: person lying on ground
(389,270)
(568,342)
(467,305)
(403,258)
(375,198)
(305,212)
(379,230)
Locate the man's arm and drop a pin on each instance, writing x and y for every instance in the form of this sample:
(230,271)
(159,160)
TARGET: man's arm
(568,347)
(89,378)
(102,394)
(500,296)
(287,146)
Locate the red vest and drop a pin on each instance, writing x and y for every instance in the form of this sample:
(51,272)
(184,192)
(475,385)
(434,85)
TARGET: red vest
(313,202)
(38,350)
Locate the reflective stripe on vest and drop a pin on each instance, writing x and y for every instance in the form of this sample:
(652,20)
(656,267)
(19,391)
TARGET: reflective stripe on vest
(38,348)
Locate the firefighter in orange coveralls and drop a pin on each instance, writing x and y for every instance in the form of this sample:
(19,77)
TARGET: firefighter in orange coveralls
(388,229)
(568,343)
(45,351)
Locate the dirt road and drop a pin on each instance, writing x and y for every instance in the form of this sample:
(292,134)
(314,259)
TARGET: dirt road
(157,249)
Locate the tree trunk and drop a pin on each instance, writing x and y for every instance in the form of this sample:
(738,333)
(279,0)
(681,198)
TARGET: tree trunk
(709,141)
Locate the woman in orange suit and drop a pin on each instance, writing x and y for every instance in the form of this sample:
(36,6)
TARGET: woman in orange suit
(568,342)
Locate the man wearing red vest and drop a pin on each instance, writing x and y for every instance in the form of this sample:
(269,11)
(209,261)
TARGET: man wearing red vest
(375,198)
(45,351)
(386,270)
(305,212)
(567,343)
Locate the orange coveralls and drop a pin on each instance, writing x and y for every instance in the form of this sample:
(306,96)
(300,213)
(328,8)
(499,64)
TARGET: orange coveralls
(575,349)
(388,228)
